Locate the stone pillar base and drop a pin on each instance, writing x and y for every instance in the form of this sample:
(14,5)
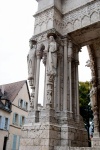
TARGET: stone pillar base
(47,115)
(52,129)
(33,116)
(40,136)
(95,142)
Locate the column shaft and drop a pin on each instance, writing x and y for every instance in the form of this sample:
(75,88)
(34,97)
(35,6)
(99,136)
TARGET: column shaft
(70,55)
(65,75)
(59,85)
(77,89)
(44,98)
(37,82)
(70,83)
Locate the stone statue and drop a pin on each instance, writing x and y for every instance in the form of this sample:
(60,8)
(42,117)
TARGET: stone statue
(31,59)
(90,64)
(52,56)
(93,93)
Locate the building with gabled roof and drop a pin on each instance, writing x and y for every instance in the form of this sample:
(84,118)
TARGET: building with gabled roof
(14,104)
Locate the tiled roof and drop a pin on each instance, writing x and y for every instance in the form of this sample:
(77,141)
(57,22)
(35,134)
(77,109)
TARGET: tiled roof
(11,90)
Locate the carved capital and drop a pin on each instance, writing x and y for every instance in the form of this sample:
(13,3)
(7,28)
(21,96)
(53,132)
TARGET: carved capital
(70,45)
(38,54)
(45,56)
(76,62)
(70,59)
(65,41)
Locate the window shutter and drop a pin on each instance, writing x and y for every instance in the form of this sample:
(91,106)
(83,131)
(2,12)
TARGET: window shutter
(24,120)
(14,142)
(23,105)
(8,124)
(20,120)
(18,142)
(14,118)
(19,102)
(2,122)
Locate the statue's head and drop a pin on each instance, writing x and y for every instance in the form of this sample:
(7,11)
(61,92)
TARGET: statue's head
(32,43)
(51,38)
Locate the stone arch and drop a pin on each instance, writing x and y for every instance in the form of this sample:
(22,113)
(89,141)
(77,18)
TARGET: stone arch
(85,21)
(77,24)
(93,17)
(49,24)
(69,26)
(37,29)
(43,26)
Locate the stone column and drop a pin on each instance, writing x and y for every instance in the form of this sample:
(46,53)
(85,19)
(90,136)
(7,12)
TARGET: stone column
(70,71)
(70,82)
(77,89)
(59,83)
(38,54)
(45,64)
(65,74)
(50,87)
(44,97)
(31,84)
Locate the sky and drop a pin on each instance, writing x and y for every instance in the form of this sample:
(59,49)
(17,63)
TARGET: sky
(16,28)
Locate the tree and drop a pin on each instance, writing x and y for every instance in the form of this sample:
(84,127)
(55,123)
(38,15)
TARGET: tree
(84,101)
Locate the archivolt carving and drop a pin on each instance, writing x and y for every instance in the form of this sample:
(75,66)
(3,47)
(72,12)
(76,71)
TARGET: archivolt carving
(77,24)
(65,23)
(94,17)
(85,21)
(85,15)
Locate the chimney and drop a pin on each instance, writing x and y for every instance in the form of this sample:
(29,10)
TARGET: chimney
(2,89)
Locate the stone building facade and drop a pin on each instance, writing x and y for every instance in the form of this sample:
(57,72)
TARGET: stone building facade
(14,104)
(61,28)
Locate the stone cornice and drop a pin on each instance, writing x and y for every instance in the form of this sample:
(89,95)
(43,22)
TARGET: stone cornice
(47,9)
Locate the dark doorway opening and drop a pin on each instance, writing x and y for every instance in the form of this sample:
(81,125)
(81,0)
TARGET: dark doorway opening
(5,143)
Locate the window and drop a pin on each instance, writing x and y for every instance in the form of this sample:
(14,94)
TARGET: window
(22,120)
(22,104)
(8,105)
(15,119)
(4,123)
(15,142)
(26,106)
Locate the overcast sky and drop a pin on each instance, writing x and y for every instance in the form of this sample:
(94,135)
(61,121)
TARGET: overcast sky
(16,28)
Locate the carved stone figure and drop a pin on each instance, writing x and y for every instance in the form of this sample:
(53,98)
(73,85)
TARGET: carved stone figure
(31,59)
(52,56)
(93,93)
(90,63)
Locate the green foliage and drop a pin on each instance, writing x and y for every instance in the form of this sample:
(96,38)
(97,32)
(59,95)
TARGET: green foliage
(83,93)
(84,100)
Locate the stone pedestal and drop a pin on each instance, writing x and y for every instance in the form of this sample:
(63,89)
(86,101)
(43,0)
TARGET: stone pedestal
(33,116)
(47,129)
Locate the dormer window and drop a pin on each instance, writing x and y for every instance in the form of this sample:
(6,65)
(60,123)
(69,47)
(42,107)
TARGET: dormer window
(7,105)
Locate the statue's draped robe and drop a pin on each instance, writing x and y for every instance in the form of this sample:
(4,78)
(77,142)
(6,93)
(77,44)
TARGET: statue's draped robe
(52,58)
